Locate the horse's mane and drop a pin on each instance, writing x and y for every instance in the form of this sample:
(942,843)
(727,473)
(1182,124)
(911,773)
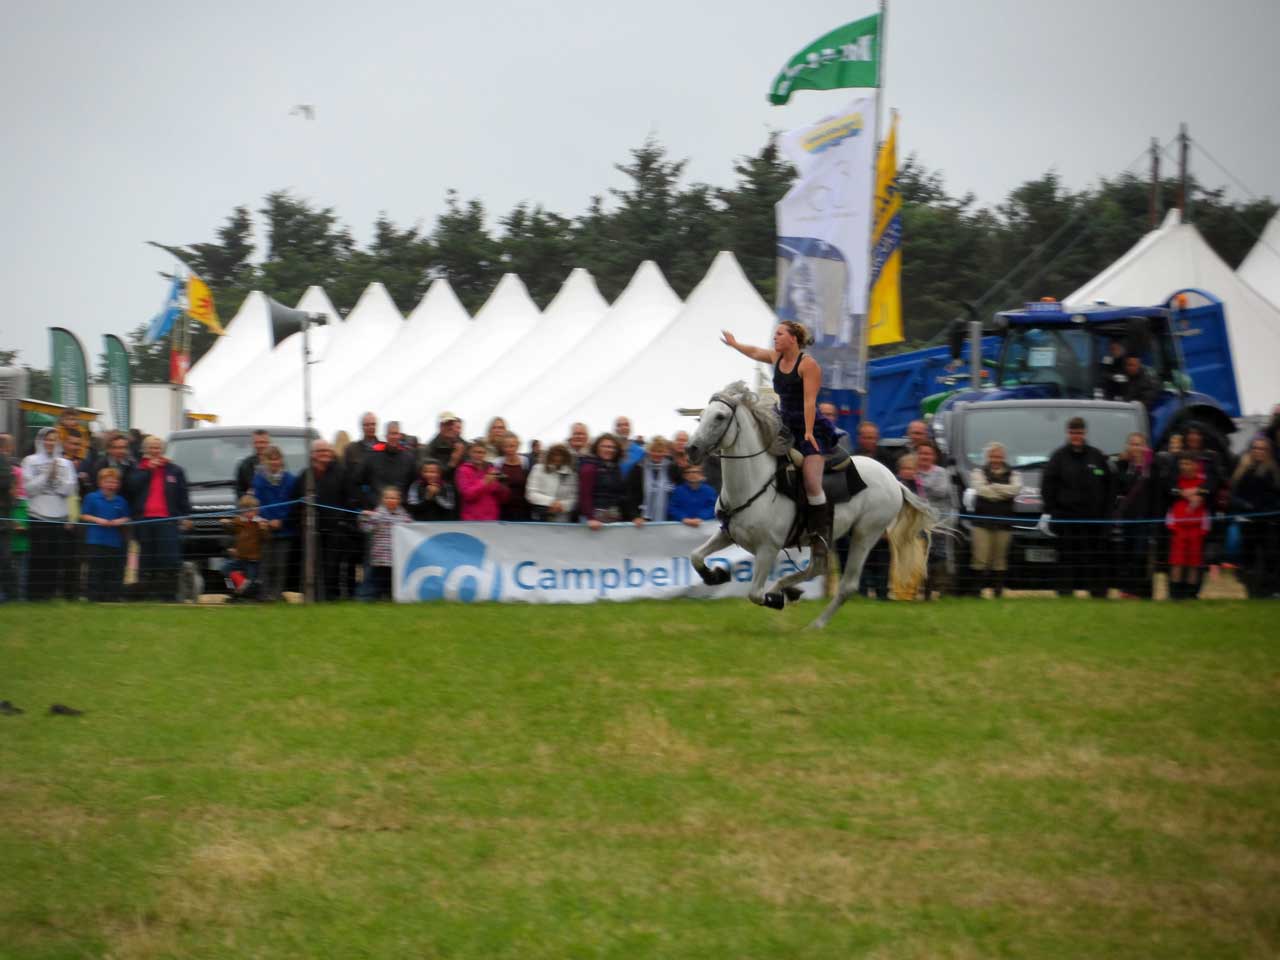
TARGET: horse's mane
(765,415)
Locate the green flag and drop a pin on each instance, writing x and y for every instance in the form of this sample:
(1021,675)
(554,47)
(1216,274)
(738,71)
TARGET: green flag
(69,383)
(848,56)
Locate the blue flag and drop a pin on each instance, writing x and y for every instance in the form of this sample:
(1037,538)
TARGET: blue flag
(162,322)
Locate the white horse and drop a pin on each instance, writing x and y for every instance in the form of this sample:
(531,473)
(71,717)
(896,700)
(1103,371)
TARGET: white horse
(759,517)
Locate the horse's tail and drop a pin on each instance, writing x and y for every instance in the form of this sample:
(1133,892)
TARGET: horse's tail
(910,536)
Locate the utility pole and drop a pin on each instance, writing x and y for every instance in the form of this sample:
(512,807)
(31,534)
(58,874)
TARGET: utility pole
(1155,204)
(1184,200)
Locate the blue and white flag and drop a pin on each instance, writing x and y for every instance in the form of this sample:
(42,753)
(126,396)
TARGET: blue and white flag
(162,322)
(824,235)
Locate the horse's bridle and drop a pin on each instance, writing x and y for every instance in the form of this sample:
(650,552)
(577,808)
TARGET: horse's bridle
(718,442)
(724,515)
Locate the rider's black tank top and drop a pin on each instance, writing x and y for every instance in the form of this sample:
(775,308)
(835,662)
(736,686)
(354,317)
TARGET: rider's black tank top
(790,389)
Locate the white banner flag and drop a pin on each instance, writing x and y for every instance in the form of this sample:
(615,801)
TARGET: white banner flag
(564,563)
(824,235)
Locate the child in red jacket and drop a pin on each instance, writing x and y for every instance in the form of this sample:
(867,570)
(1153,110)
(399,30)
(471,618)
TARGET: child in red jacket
(1188,519)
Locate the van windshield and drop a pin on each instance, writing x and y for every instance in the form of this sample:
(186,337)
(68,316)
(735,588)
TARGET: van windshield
(213,459)
(1031,434)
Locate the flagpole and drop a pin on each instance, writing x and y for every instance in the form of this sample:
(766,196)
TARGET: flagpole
(864,342)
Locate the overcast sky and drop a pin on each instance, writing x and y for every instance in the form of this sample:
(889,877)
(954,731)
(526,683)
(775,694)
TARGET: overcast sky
(134,121)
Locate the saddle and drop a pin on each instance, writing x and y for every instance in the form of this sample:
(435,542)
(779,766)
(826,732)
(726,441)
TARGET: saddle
(841,481)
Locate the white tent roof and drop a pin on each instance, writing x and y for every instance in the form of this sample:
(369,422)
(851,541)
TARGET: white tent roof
(432,327)
(268,390)
(686,362)
(640,313)
(504,319)
(248,336)
(1261,268)
(372,323)
(501,390)
(1177,256)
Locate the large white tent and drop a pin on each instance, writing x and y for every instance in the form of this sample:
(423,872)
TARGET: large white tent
(504,319)
(641,312)
(1176,256)
(504,386)
(431,329)
(372,323)
(685,362)
(276,396)
(247,337)
(1261,268)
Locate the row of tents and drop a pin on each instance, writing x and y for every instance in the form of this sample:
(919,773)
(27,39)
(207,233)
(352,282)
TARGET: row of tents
(648,355)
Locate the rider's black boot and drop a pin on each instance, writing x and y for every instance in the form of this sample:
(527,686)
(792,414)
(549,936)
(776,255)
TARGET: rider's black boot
(818,519)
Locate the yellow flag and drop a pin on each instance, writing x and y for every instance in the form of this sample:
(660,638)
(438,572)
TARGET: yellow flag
(884,309)
(200,304)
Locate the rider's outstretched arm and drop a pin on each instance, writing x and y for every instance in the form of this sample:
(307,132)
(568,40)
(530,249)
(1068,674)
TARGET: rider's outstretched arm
(755,353)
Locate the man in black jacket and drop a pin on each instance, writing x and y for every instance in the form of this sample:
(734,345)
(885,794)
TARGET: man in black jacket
(390,464)
(1077,486)
(332,519)
(249,465)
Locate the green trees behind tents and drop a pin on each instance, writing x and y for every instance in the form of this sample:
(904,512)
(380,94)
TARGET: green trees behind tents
(1042,240)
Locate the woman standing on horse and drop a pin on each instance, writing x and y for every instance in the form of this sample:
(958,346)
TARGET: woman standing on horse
(797,378)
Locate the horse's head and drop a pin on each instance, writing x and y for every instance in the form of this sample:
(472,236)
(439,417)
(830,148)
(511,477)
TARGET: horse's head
(713,425)
(757,425)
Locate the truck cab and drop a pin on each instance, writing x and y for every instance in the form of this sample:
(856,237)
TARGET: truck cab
(1048,351)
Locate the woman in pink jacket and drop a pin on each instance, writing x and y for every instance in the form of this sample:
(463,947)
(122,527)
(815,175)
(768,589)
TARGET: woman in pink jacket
(482,489)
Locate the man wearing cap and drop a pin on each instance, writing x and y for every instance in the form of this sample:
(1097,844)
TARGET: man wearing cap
(1076,487)
(441,446)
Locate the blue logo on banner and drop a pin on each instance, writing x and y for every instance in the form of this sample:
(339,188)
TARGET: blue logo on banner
(451,566)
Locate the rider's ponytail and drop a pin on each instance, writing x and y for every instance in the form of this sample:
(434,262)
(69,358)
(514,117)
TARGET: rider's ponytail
(799,331)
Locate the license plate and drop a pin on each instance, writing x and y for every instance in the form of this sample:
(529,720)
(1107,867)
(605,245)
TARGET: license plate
(1042,555)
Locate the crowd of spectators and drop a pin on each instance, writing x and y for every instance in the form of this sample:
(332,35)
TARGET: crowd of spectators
(85,520)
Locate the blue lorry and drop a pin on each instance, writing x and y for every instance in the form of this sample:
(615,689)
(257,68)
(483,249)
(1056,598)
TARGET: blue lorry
(1049,351)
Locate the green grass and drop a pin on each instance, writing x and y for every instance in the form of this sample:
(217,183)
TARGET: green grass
(958,779)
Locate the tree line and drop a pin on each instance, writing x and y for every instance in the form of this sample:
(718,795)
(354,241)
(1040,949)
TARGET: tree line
(1043,239)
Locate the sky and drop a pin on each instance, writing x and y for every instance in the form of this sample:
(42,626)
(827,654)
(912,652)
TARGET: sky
(141,120)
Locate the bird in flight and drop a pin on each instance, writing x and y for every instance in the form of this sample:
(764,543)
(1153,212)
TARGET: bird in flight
(307,111)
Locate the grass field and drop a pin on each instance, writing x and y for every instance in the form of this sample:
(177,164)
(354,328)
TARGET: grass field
(1036,778)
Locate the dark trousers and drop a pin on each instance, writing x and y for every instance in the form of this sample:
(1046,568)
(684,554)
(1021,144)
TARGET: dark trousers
(1260,557)
(329,548)
(49,572)
(159,557)
(106,573)
(1133,551)
(1083,558)
(875,572)
(379,583)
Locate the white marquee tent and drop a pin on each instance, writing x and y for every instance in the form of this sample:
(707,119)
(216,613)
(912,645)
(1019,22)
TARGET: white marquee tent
(640,313)
(431,329)
(1261,268)
(1176,256)
(267,387)
(502,389)
(684,363)
(504,319)
(247,337)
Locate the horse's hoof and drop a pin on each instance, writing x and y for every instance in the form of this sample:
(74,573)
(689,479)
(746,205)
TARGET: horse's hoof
(775,601)
(714,576)
(793,594)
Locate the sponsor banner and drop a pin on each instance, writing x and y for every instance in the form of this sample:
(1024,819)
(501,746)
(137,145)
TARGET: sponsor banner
(119,378)
(823,242)
(68,373)
(565,563)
